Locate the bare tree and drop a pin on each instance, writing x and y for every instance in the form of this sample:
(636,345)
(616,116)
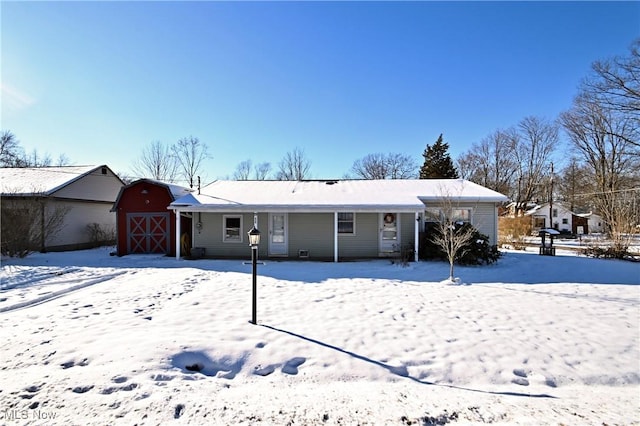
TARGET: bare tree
(450,234)
(371,166)
(10,149)
(602,138)
(262,170)
(294,166)
(491,162)
(381,166)
(13,155)
(157,162)
(243,170)
(190,154)
(574,182)
(615,84)
(533,145)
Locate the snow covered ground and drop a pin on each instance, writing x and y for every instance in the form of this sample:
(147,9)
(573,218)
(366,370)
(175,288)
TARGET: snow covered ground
(92,339)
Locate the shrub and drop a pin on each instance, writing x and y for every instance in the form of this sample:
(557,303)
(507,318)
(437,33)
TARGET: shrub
(477,252)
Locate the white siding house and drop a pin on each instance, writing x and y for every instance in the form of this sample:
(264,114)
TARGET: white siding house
(84,193)
(329,219)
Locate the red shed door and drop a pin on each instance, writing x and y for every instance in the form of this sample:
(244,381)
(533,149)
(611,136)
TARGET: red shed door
(148,233)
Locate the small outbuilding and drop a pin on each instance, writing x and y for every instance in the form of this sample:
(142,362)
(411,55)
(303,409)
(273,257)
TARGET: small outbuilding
(546,246)
(144,224)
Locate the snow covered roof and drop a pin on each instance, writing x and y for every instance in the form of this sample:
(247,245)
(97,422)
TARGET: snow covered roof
(176,191)
(328,195)
(29,181)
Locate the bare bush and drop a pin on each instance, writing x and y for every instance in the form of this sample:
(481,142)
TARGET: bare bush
(100,235)
(513,231)
(27,223)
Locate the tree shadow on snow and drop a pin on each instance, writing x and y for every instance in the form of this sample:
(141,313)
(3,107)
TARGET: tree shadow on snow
(401,370)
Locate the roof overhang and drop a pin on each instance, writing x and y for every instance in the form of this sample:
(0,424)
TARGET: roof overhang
(275,208)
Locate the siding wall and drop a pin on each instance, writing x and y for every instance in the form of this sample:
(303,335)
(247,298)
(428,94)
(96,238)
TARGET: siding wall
(80,214)
(94,186)
(407,230)
(306,231)
(365,241)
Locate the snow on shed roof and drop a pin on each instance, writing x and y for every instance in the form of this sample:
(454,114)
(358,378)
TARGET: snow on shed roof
(29,181)
(401,194)
(176,191)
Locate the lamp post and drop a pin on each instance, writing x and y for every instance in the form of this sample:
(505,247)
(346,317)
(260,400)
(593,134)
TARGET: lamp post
(254,240)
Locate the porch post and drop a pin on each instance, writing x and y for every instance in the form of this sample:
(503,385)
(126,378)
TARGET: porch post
(335,237)
(416,236)
(177,213)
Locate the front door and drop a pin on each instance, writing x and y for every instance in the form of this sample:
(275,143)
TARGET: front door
(389,235)
(278,234)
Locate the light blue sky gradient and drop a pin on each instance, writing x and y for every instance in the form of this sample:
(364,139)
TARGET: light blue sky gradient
(98,81)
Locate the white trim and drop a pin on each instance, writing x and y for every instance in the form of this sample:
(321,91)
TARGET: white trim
(335,237)
(177,213)
(224,229)
(416,236)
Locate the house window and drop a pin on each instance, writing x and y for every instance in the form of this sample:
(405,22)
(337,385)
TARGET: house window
(538,222)
(555,212)
(565,221)
(346,223)
(232,229)
(432,215)
(461,215)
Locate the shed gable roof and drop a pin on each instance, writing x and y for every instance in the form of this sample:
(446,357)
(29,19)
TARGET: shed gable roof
(175,191)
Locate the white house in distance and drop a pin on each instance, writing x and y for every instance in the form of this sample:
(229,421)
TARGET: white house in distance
(563,219)
(85,193)
(329,219)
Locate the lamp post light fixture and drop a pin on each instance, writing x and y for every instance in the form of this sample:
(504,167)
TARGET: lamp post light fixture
(254,241)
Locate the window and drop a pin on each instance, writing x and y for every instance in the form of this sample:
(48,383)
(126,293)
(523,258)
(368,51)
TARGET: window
(538,222)
(565,221)
(232,229)
(346,223)
(461,215)
(555,212)
(432,215)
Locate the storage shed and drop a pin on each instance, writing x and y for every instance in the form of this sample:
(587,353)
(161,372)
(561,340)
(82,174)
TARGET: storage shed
(143,222)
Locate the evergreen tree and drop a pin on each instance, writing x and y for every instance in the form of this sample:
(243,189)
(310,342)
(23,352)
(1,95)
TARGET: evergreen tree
(437,162)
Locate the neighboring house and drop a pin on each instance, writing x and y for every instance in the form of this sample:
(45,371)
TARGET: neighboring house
(81,195)
(330,219)
(563,219)
(144,223)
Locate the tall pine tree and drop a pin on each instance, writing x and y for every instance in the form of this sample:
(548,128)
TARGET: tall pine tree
(437,162)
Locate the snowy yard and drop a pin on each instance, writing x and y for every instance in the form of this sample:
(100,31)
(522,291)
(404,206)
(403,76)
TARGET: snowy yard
(92,339)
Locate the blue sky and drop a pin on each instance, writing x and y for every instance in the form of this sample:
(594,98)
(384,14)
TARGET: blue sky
(98,81)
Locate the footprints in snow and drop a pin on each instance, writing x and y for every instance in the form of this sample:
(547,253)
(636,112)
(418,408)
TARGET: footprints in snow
(289,367)
(119,380)
(228,367)
(523,378)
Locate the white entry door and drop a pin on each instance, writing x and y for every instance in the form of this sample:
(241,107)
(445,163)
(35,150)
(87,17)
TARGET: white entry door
(278,234)
(389,233)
